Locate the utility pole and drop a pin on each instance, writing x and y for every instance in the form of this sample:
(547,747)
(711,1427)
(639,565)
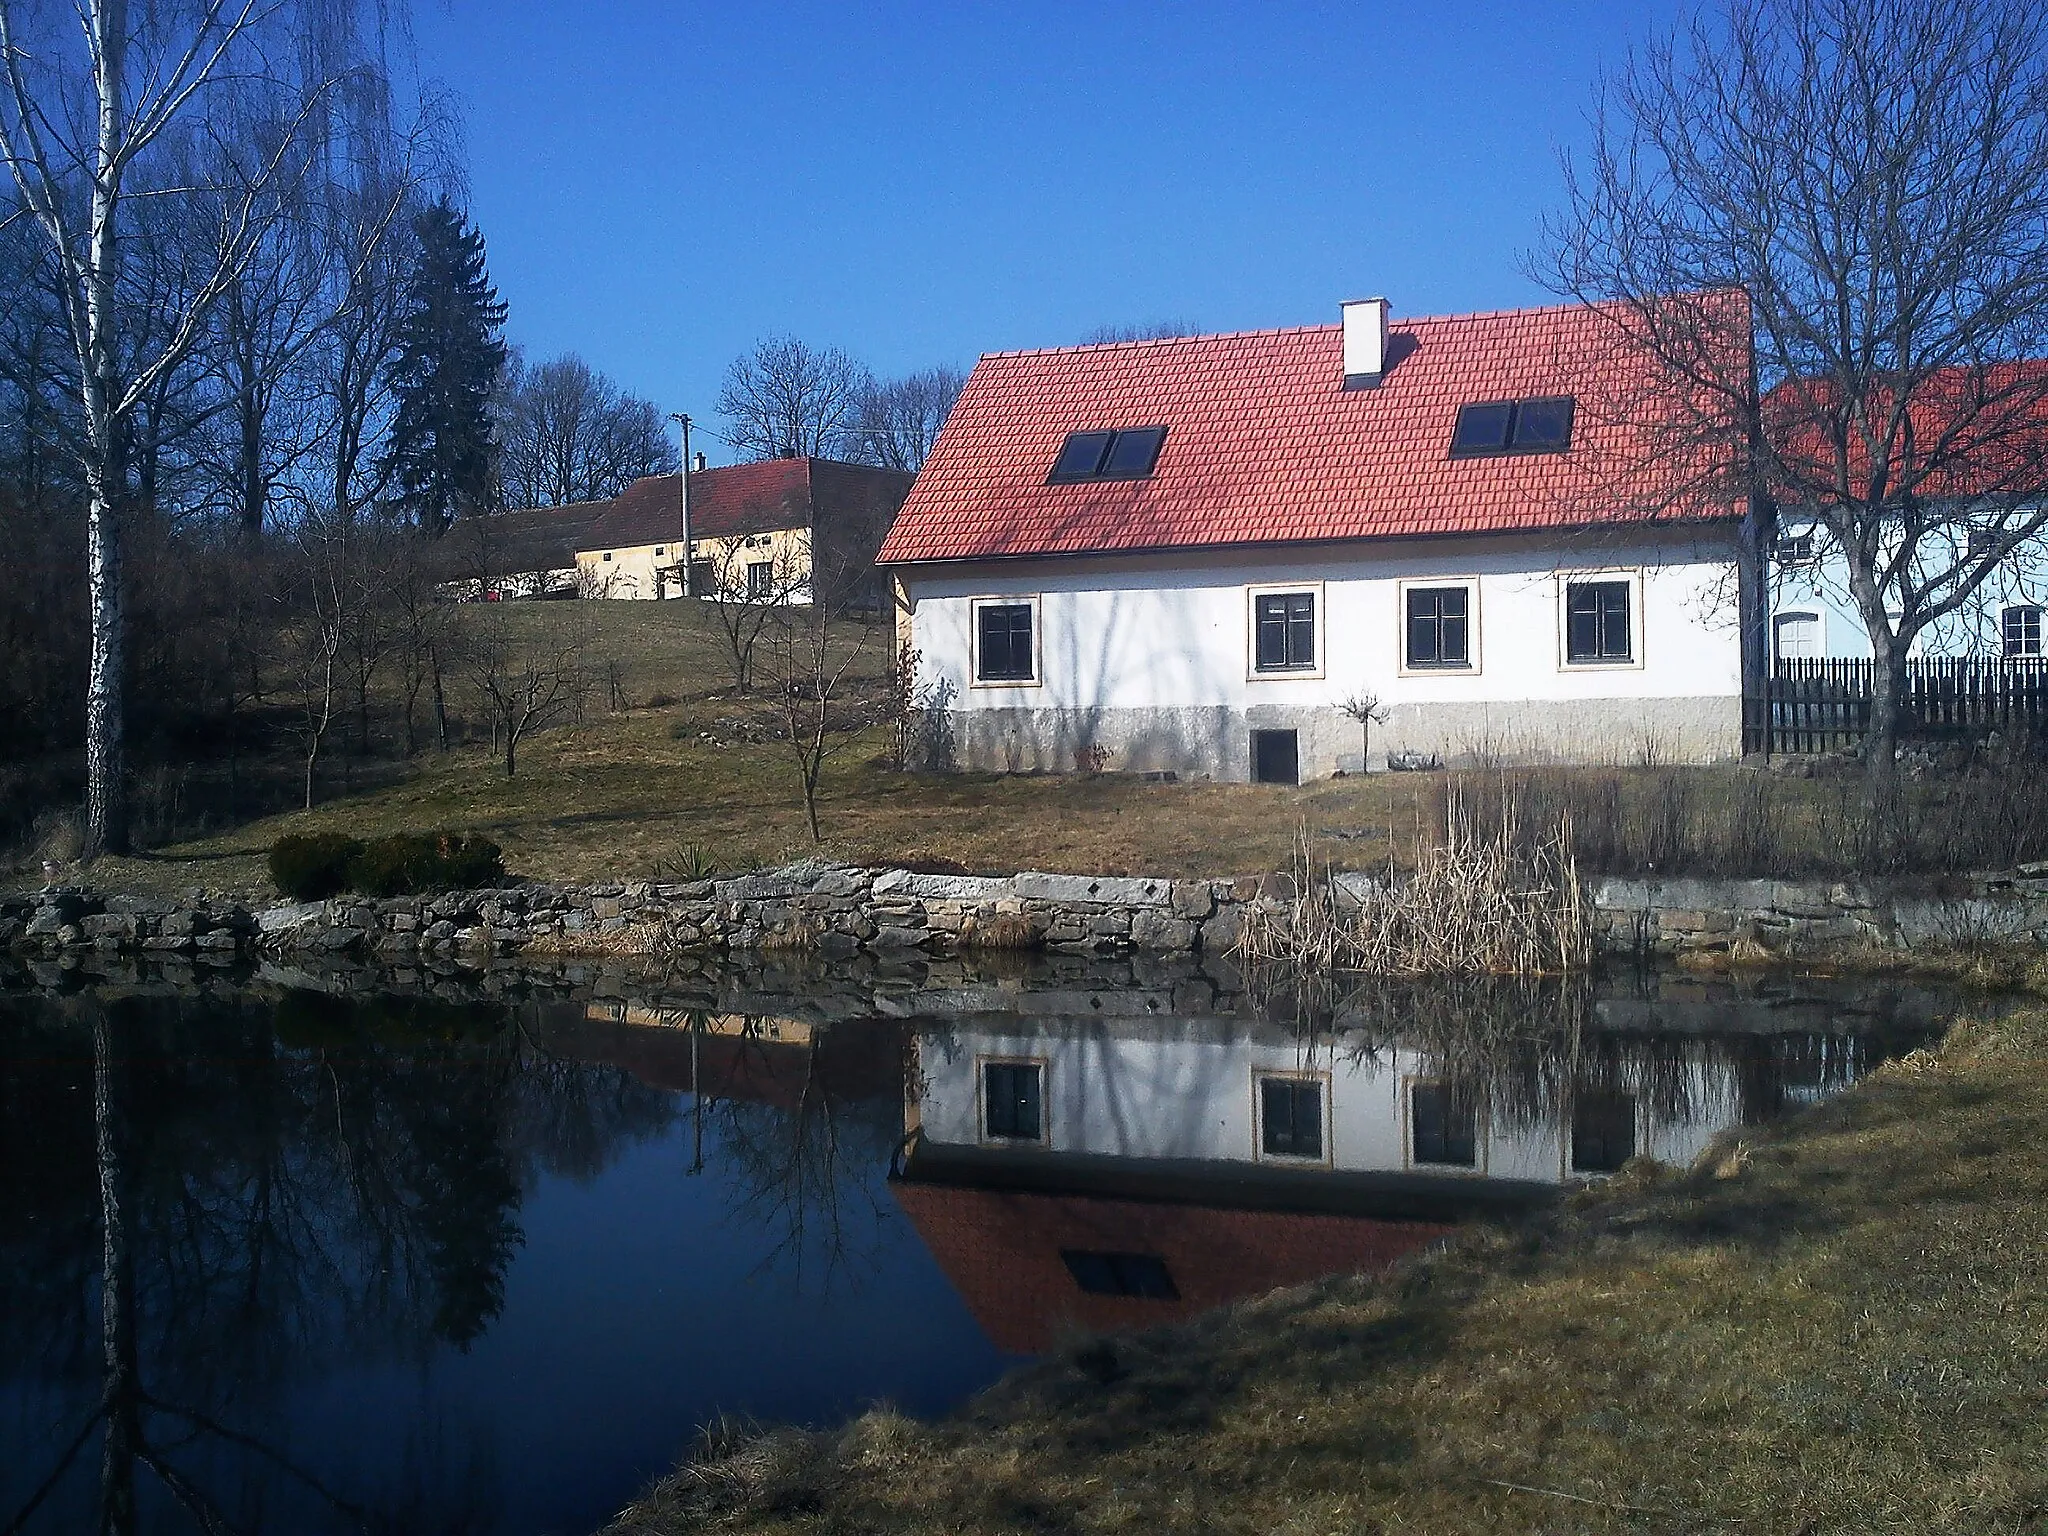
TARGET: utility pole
(688,548)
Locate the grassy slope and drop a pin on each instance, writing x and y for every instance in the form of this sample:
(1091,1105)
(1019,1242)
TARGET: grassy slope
(625,795)
(1845,1331)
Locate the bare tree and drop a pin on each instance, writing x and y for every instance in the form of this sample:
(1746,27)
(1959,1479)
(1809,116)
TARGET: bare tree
(567,433)
(811,663)
(743,585)
(1368,711)
(786,399)
(1857,190)
(331,588)
(898,420)
(527,682)
(90,92)
(1153,330)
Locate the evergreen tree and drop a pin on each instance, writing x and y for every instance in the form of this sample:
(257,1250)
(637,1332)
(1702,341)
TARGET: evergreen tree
(448,366)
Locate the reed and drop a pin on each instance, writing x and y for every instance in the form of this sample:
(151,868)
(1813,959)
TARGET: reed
(1485,900)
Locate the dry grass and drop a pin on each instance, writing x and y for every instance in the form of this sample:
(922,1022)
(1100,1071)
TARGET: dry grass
(1837,1327)
(1484,901)
(689,772)
(635,794)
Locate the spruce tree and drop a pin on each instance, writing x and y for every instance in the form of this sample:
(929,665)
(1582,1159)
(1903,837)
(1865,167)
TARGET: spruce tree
(448,366)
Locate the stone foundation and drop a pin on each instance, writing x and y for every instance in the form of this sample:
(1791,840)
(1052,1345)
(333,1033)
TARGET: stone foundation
(1214,742)
(837,911)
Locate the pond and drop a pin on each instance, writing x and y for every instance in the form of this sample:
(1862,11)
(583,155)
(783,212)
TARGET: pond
(306,1252)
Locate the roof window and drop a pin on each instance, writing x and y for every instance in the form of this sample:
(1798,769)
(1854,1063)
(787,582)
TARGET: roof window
(1539,425)
(1126,455)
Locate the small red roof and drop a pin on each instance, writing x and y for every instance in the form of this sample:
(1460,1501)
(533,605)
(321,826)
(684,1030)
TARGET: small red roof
(734,498)
(1264,445)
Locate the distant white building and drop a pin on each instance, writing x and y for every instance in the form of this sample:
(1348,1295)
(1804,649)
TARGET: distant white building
(1812,614)
(1187,555)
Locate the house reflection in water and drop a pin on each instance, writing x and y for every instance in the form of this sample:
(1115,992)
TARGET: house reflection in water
(1094,1174)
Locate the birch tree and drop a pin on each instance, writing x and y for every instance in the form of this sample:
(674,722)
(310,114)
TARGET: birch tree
(92,93)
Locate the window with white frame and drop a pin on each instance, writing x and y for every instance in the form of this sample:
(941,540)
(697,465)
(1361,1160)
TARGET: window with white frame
(1796,636)
(1005,640)
(1599,622)
(1291,1117)
(2020,629)
(1284,631)
(1437,627)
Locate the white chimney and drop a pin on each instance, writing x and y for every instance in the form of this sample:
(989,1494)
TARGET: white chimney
(1365,342)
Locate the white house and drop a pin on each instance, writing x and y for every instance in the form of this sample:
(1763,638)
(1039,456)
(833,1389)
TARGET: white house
(1187,555)
(1812,613)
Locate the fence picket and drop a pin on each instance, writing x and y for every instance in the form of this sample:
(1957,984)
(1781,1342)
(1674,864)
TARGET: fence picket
(1822,703)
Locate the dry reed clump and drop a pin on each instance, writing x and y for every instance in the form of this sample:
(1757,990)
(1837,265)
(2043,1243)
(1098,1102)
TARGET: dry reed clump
(1006,931)
(1489,903)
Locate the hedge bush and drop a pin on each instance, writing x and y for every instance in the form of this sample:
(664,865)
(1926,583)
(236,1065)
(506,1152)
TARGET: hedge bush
(308,868)
(410,862)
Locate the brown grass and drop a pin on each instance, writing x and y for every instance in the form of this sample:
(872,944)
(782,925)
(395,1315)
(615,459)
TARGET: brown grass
(1840,1326)
(658,788)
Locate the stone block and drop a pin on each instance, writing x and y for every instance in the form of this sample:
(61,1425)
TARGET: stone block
(841,881)
(46,924)
(1152,931)
(1797,898)
(902,883)
(896,938)
(109,925)
(1221,932)
(1113,924)
(1106,890)
(333,940)
(289,919)
(606,906)
(1193,899)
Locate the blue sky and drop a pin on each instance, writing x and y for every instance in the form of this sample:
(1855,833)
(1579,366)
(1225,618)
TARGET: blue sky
(659,185)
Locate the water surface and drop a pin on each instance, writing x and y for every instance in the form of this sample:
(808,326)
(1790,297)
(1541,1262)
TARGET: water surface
(362,1251)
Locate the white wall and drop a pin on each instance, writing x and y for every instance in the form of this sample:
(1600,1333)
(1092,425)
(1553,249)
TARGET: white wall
(1174,632)
(1194,1096)
(1821,587)
(1160,631)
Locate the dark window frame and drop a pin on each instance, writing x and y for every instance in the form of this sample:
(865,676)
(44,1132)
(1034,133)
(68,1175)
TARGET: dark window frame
(1144,1276)
(1106,455)
(1601,618)
(1510,441)
(1288,628)
(2020,631)
(1793,548)
(1010,678)
(1443,1128)
(760,579)
(1437,622)
(1006,1125)
(1285,1138)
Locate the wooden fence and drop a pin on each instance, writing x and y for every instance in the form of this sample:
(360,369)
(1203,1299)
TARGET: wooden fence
(1822,704)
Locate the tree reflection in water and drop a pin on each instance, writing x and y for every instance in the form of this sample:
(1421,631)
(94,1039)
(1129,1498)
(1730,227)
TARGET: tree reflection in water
(240,1194)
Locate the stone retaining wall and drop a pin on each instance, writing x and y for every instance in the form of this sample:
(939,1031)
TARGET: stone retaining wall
(833,910)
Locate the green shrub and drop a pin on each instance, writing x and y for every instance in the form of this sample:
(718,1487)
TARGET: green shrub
(409,862)
(310,866)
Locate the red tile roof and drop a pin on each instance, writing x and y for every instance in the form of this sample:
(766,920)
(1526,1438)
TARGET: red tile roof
(1001,1249)
(734,498)
(1975,432)
(1263,444)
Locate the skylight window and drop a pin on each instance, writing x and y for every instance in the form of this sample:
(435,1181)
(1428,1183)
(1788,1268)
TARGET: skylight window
(1125,455)
(1539,425)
